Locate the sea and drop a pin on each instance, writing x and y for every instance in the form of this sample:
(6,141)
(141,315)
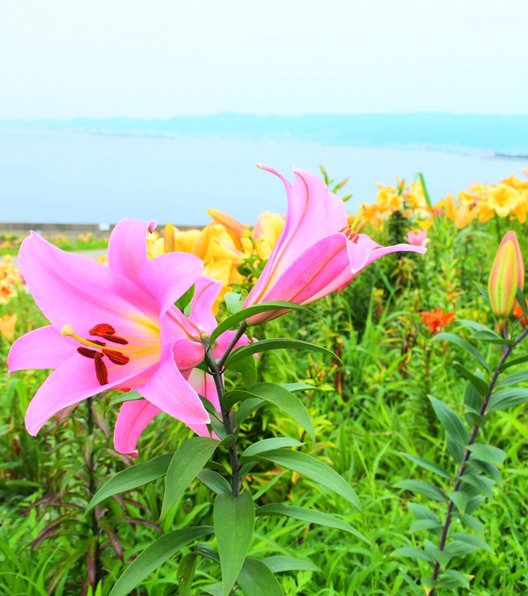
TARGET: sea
(99,171)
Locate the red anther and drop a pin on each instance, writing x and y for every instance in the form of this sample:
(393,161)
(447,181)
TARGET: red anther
(114,338)
(116,357)
(99,343)
(102,328)
(100,369)
(87,352)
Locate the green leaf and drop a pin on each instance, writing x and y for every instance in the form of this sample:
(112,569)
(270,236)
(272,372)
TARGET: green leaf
(247,407)
(479,328)
(189,459)
(298,387)
(310,516)
(450,579)
(287,402)
(425,191)
(475,541)
(411,553)
(488,453)
(154,556)
(515,361)
(247,367)
(215,481)
(136,475)
(233,302)
(234,320)
(314,469)
(506,398)
(451,422)
(422,488)
(234,518)
(422,512)
(425,524)
(427,465)
(460,499)
(464,345)
(483,484)
(269,445)
(280,564)
(457,548)
(279,343)
(514,379)
(185,300)
(186,570)
(257,579)
(480,385)
(472,522)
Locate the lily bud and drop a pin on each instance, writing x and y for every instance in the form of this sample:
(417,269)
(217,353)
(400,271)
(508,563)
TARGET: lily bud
(506,276)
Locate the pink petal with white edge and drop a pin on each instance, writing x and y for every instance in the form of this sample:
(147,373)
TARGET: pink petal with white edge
(363,251)
(133,418)
(127,248)
(222,343)
(74,290)
(169,276)
(42,348)
(168,390)
(202,303)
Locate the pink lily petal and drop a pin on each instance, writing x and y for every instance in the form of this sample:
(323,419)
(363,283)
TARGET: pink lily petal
(313,214)
(133,418)
(187,354)
(168,390)
(127,248)
(41,348)
(169,276)
(71,382)
(74,290)
(364,251)
(204,297)
(222,343)
(205,386)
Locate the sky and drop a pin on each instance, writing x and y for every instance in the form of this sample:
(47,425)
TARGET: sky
(160,58)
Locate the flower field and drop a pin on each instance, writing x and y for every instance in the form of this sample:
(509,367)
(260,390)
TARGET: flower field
(326,403)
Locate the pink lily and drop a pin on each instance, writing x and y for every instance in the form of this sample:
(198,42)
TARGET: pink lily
(316,253)
(111,327)
(417,237)
(135,415)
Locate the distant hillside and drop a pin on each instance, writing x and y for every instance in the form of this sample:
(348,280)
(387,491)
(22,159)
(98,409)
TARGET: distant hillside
(505,135)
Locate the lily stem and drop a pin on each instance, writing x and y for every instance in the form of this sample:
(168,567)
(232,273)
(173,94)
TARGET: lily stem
(90,464)
(216,369)
(467,452)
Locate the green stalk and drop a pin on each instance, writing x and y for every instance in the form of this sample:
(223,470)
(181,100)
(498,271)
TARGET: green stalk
(467,453)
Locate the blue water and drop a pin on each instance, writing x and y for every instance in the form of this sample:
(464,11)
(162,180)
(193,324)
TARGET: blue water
(90,177)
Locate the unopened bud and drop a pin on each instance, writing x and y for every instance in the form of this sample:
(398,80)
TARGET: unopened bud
(506,276)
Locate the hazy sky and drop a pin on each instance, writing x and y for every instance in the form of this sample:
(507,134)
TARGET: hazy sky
(158,58)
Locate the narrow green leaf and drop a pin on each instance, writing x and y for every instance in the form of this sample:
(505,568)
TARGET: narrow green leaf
(475,541)
(411,553)
(451,579)
(279,564)
(427,465)
(460,499)
(479,328)
(425,524)
(457,548)
(513,379)
(136,475)
(234,518)
(425,191)
(186,570)
(311,516)
(287,402)
(480,385)
(483,484)
(451,422)
(472,522)
(488,453)
(184,301)
(422,512)
(235,319)
(154,556)
(247,407)
(422,488)
(279,343)
(186,463)
(314,469)
(257,579)
(506,398)
(247,367)
(515,361)
(298,387)
(215,481)
(464,345)
(269,445)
